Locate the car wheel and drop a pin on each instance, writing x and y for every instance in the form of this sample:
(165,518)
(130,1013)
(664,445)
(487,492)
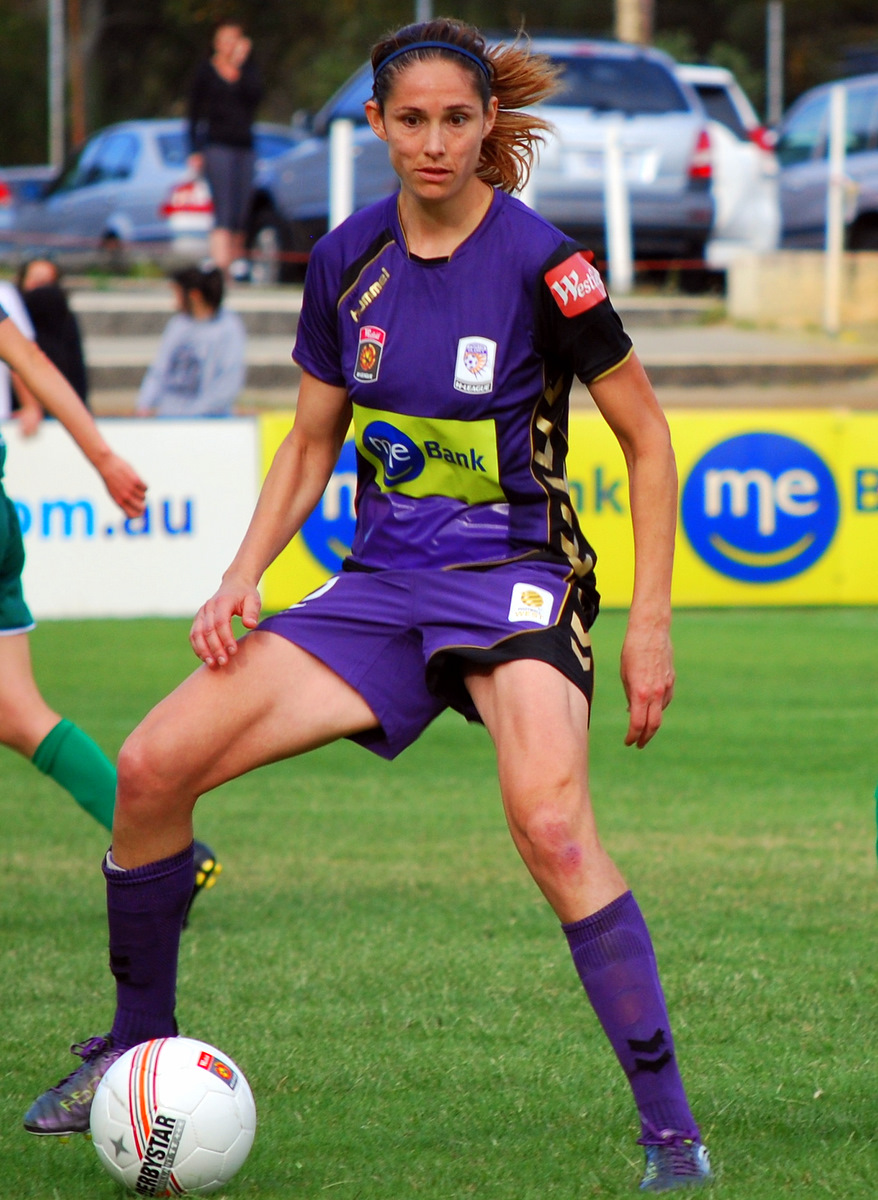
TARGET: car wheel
(114,254)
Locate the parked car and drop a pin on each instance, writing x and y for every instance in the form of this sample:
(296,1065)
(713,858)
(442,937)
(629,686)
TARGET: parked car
(662,132)
(803,153)
(18,184)
(120,189)
(745,181)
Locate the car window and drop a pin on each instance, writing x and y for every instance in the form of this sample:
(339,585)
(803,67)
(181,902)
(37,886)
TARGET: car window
(804,135)
(77,171)
(116,158)
(862,119)
(618,85)
(719,106)
(173,148)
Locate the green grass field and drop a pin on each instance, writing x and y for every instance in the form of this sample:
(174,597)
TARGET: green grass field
(401,998)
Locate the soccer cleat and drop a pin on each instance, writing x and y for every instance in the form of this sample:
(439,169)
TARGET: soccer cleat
(676,1162)
(65,1108)
(207,869)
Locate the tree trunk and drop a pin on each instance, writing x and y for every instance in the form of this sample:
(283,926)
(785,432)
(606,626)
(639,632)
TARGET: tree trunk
(634,20)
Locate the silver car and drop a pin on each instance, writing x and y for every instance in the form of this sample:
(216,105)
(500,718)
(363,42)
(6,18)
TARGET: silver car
(118,190)
(662,133)
(803,153)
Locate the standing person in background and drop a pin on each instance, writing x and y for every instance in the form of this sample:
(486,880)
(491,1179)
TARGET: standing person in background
(201,363)
(55,325)
(223,99)
(469,584)
(55,745)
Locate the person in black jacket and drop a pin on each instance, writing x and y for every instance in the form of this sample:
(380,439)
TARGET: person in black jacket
(55,324)
(222,102)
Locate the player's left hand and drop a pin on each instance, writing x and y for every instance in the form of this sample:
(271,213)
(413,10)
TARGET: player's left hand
(124,485)
(648,678)
(29,419)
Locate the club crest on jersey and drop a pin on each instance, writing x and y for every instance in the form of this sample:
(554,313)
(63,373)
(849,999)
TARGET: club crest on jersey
(576,285)
(474,368)
(369,351)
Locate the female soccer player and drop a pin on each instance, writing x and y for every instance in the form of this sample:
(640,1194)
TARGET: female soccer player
(445,323)
(27,723)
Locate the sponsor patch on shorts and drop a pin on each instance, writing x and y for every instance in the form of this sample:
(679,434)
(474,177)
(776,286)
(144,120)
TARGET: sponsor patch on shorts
(530,603)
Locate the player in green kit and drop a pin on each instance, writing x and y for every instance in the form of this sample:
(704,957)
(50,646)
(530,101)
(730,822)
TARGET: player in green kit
(55,745)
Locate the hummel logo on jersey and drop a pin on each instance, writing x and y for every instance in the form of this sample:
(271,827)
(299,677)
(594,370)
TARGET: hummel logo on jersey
(576,285)
(370,293)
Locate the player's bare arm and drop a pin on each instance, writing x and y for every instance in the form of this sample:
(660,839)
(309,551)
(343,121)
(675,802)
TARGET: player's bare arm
(57,397)
(629,406)
(293,486)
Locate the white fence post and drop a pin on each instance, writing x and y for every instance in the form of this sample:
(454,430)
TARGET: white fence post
(341,171)
(617,214)
(835,199)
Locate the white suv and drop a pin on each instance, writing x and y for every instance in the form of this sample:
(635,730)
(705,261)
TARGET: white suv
(745,168)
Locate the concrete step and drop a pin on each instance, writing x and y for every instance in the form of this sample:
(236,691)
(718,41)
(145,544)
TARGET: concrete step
(685,342)
(711,356)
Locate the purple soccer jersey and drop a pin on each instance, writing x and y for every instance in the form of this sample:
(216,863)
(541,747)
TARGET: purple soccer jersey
(459,373)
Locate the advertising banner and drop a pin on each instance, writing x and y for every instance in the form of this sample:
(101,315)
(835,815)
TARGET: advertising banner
(776,507)
(84,559)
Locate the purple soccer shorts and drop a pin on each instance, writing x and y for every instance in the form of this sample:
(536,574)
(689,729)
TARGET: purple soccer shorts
(403,639)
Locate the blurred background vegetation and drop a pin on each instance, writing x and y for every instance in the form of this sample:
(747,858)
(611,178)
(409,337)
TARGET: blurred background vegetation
(137,55)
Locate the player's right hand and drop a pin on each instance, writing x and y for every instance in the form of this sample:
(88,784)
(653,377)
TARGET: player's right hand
(212,636)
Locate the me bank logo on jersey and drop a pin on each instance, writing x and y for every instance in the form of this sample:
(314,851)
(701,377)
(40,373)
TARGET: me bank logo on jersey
(401,458)
(760,507)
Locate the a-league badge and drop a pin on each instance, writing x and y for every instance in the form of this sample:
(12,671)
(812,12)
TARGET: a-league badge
(370,348)
(474,367)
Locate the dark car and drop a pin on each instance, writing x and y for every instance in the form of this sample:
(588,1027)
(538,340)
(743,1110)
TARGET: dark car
(662,132)
(803,153)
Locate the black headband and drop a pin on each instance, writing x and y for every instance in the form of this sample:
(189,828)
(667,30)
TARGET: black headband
(480,62)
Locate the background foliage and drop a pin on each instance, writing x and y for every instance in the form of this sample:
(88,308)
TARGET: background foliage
(139,56)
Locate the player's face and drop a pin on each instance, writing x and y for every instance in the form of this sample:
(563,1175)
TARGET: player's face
(434,124)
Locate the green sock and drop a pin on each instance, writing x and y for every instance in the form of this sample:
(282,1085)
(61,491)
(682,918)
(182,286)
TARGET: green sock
(71,758)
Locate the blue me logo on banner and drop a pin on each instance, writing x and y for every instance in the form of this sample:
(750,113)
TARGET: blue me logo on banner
(329,531)
(760,507)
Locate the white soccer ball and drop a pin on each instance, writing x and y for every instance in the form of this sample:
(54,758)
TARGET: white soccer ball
(173,1116)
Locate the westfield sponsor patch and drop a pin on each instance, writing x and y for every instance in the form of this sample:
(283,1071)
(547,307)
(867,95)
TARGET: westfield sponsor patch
(576,285)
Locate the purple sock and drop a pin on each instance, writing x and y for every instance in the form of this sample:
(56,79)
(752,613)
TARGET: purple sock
(146,907)
(613,954)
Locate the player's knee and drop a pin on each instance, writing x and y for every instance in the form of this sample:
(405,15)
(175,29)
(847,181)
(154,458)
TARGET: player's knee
(139,771)
(554,835)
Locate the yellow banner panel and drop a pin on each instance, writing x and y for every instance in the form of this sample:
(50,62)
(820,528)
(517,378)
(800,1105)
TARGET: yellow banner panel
(776,507)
